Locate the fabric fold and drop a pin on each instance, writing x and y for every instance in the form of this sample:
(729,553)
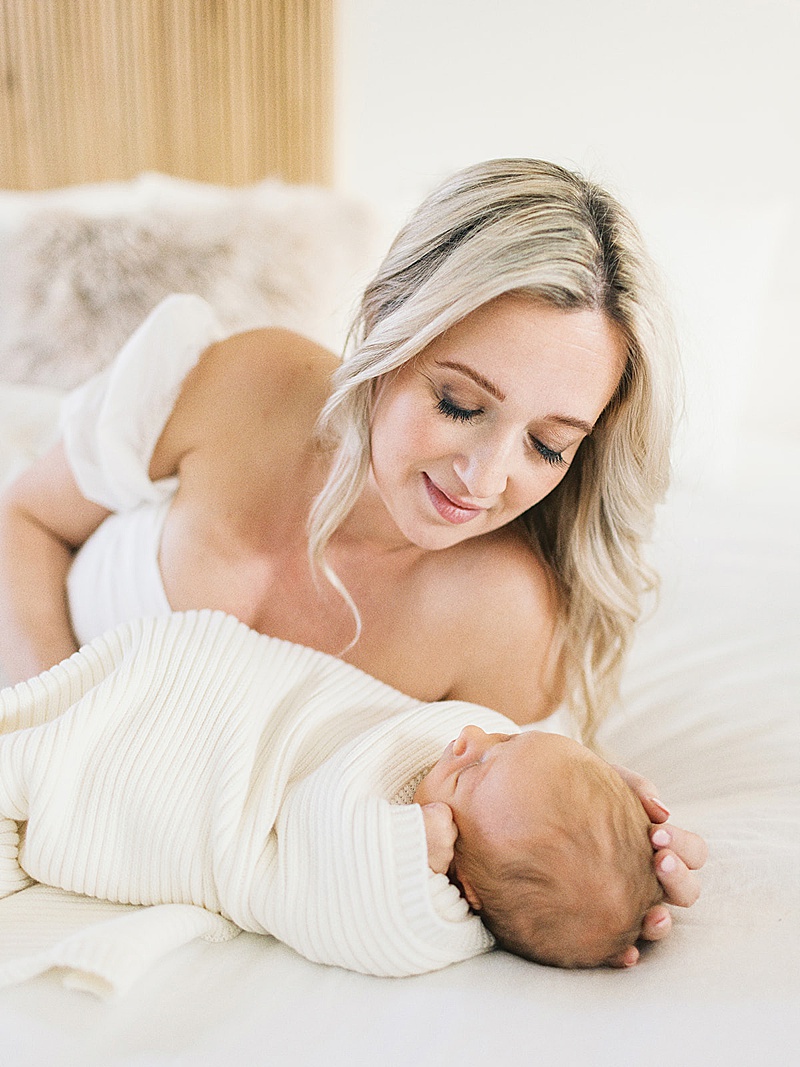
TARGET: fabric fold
(98,947)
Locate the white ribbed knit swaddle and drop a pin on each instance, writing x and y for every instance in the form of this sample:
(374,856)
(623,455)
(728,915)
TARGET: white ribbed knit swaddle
(193,764)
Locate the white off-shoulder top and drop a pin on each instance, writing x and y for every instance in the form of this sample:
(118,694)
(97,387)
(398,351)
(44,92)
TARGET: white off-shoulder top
(111,425)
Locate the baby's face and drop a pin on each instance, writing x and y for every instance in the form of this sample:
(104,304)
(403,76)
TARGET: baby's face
(500,785)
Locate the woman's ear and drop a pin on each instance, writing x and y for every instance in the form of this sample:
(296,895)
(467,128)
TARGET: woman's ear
(441,833)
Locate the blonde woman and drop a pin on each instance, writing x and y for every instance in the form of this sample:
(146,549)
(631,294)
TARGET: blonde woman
(458,508)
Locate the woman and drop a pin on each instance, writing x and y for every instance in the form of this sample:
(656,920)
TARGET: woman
(458,508)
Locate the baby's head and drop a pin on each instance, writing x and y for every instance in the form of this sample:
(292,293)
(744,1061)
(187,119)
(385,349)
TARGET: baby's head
(553,848)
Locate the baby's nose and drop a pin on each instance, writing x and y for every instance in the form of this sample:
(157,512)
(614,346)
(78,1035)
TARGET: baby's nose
(470,737)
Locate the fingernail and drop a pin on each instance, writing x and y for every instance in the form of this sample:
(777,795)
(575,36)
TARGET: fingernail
(661,837)
(662,807)
(667,864)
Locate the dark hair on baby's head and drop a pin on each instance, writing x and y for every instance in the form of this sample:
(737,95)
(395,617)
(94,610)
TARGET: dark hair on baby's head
(579,895)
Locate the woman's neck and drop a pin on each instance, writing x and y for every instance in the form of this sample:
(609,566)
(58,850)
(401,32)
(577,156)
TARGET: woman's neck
(370,527)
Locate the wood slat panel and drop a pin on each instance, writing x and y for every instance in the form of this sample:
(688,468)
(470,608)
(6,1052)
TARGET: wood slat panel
(226,91)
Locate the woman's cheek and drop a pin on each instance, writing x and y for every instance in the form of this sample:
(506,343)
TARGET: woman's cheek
(421,434)
(541,484)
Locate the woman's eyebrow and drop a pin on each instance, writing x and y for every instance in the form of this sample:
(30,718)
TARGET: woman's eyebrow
(567,420)
(484,383)
(498,394)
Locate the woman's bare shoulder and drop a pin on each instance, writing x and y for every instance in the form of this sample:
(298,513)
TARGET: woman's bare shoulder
(239,386)
(507,628)
(269,364)
(273,352)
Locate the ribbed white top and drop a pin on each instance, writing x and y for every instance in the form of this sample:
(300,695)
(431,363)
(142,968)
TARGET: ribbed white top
(189,760)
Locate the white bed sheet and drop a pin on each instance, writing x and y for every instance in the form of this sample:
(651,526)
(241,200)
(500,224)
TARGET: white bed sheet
(712,714)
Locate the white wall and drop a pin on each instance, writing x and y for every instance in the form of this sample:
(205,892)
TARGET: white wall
(652,95)
(689,110)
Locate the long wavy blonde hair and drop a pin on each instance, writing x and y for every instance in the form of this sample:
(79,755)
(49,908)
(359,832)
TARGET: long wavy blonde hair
(535,229)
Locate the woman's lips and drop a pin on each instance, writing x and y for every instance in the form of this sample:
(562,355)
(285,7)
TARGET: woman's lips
(454,511)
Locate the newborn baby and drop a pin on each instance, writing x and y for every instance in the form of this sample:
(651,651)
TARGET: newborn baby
(190,760)
(546,842)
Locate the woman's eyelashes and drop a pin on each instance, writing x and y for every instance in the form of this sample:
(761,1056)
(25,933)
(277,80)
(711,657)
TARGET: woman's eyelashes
(458,413)
(556,459)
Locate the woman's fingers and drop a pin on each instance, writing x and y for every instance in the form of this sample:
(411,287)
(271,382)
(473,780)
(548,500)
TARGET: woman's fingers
(678,853)
(646,792)
(629,957)
(657,923)
(691,848)
(679,884)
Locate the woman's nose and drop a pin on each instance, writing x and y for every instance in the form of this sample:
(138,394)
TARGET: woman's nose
(485,470)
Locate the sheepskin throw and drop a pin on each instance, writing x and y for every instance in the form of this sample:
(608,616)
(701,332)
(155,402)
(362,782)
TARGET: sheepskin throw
(77,283)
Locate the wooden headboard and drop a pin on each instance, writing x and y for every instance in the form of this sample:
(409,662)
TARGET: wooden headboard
(226,91)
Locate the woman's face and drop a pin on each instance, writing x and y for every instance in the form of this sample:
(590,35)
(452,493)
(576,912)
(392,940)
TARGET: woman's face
(485,422)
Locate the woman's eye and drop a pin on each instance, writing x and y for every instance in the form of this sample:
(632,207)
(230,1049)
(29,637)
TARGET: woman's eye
(453,411)
(556,459)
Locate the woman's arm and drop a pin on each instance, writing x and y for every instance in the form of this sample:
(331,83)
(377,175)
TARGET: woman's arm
(44,518)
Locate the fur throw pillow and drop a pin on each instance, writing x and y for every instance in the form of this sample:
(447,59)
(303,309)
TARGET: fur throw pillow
(76,285)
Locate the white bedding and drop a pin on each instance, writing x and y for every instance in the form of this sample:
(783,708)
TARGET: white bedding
(711,713)
(712,701)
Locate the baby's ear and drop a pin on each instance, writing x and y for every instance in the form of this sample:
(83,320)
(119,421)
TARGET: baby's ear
(441,833)
(469,894)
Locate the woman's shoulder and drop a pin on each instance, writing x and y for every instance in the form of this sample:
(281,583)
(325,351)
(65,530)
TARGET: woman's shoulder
(506,626)
(270,361)
(507,570)
(246,386)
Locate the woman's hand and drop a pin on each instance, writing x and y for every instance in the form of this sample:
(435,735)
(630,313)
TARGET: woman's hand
(677,853)
(441,833)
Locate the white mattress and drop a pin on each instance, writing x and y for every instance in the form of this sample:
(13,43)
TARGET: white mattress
(712,714)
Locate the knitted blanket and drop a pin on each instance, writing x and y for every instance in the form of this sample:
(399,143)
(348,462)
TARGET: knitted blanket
(201,779)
